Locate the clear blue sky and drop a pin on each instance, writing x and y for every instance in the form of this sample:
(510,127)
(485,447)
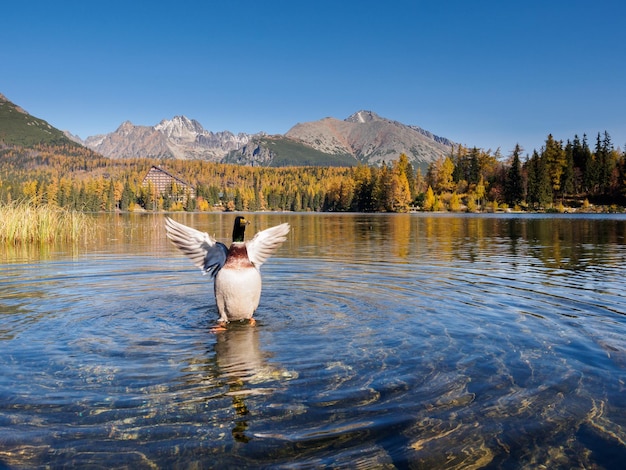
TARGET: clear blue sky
(484,73)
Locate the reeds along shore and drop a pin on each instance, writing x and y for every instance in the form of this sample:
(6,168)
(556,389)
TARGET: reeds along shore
(27,223)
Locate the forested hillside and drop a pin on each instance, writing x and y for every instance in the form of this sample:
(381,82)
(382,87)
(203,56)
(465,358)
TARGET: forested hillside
(17,127)
(559,176)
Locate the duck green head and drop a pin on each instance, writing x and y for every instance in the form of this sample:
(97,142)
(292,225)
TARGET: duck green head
(239,228)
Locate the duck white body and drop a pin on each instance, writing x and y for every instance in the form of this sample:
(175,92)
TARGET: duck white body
(237,287)
(236,269)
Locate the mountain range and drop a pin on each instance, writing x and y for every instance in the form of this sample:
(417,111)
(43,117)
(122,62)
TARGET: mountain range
(364,137)
(180,138)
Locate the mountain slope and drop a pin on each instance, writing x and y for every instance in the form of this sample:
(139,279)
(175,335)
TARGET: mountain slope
(279,151)
(17,127)
(129,141)
(370,138)
(179,137)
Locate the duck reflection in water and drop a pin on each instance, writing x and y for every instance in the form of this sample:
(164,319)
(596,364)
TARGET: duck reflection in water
(240,361)
(240,364)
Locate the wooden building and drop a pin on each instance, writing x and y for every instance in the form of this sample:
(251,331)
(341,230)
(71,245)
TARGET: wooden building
(169,185)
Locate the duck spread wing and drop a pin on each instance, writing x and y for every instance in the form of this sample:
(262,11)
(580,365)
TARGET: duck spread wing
(264,243)
(205,253)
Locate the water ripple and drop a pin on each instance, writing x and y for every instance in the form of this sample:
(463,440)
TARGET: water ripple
(415,351)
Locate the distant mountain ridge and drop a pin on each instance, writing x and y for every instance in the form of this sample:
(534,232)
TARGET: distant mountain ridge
(177,138)
(363,137)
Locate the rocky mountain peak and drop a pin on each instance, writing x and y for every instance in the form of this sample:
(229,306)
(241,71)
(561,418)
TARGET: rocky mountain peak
(180,127)
(363,117)
(371,139)
(125,128)
(179,137)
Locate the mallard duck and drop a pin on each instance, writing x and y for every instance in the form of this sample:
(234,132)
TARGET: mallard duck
(236,269)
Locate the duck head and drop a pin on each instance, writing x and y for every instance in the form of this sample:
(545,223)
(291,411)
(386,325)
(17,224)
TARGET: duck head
(239,228)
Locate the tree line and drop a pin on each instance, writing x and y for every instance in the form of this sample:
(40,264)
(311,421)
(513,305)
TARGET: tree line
(559,174)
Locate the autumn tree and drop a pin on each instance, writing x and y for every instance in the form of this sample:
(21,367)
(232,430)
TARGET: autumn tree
(403,167)
(480,192)
(429,200)
(400,190)
(364,183)
(440,174)
(455,203)
(553,157)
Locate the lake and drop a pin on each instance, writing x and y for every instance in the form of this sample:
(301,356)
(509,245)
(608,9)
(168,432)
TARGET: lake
(382,341)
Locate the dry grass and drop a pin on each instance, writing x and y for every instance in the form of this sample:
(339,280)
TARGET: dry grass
(28,223)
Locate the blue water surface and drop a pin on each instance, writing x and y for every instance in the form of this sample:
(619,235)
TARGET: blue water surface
(382,341)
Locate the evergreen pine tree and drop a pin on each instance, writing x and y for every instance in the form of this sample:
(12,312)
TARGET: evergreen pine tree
(531,180)
(539,192)
(514,186)
(590,174)
(110,202)
(567,179)
(544,184)
(474,167)
(606,163)
(127,197)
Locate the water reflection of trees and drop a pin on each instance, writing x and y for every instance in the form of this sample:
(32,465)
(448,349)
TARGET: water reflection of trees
(573,243)
(565,243)
(556,241)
